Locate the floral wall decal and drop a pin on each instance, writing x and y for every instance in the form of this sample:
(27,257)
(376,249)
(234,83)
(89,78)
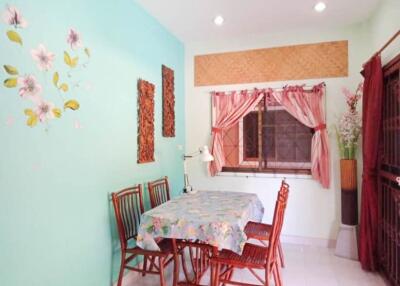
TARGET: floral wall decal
(28,86)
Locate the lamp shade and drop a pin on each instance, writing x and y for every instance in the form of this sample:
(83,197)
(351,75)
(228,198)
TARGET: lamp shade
(205,155)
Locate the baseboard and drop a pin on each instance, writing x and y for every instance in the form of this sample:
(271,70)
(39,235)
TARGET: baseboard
(130,277)
(308,241)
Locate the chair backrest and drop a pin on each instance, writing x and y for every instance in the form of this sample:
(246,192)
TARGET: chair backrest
(159,192)
(277,222)
(128,208)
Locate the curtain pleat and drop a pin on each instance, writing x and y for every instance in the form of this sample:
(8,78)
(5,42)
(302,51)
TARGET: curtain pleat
(371,119)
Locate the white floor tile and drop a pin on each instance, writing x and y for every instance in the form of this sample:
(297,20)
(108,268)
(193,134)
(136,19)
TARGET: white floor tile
(305,266)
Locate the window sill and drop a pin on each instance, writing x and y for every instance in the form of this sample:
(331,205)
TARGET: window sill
(263,175)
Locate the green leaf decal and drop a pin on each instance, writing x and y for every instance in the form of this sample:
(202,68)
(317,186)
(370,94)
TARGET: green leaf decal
(67,58)
(69,61)
(29,112)
(32,121)
(14,37)
(57,112)
(10,70)
(64,87)
(87,52)
(10,82)
(71,104)
(56,77)
(74,62)
(32,117)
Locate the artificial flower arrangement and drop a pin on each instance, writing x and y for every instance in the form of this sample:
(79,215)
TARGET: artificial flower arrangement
(349,127)
(28,86)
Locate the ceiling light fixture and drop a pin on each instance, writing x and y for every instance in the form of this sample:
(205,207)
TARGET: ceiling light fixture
(320,6)
(219,20)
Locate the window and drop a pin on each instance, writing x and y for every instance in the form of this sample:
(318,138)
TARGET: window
(268,139)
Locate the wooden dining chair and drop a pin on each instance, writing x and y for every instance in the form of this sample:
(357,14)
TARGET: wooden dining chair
(159,192)
(261,232)
(128,208)
(199,255)
(253,256)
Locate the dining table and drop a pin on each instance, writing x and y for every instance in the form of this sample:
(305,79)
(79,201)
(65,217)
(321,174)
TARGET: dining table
(216,218)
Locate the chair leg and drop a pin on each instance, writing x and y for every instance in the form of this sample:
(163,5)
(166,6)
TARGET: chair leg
(267,276)
(276,274)
(152,262)
(216,274)
(184,268)
(281,254)
(144,266)
(122,268)
(229,275)
(162,279)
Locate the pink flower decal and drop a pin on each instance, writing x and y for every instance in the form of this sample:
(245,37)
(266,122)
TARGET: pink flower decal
(74,39)
(77,124)
(43,57)
(10,121)
(13,17)
(44,110)
(30,89)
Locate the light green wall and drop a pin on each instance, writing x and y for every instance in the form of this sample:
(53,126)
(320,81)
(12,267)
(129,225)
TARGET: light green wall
(383,24)
(55,215)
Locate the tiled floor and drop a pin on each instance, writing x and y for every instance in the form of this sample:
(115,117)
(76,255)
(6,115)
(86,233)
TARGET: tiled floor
(305,266)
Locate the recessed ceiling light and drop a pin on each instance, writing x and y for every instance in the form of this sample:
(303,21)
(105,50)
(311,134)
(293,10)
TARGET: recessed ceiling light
(320,6)
(219,20)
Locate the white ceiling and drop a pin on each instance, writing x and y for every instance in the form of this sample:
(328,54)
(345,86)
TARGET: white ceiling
(192,20)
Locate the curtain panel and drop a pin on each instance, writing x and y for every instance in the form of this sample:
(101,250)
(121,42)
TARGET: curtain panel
(371,125)
(308,108)
(305,106)
(229,109)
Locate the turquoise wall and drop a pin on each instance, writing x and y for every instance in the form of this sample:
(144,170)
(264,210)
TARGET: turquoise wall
(55,179)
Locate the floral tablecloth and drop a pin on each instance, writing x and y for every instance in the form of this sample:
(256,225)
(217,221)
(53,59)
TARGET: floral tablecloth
(215,217)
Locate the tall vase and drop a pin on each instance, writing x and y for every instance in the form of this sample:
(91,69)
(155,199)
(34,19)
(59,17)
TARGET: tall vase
(346,243)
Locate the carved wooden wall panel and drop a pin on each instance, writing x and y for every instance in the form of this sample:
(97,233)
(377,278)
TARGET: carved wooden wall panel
(168,102)
(146,122)
(320,60)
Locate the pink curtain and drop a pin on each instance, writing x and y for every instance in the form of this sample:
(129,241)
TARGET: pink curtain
(229,109)
(308,108)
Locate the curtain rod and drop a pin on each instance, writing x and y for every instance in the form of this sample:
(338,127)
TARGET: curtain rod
(386,45)
(275,89)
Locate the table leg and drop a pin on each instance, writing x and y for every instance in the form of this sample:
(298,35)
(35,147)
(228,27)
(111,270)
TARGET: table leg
(176,262)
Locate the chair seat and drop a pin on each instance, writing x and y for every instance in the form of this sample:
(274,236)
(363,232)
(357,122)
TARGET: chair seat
(253,256)
(257,230)
(164,244)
